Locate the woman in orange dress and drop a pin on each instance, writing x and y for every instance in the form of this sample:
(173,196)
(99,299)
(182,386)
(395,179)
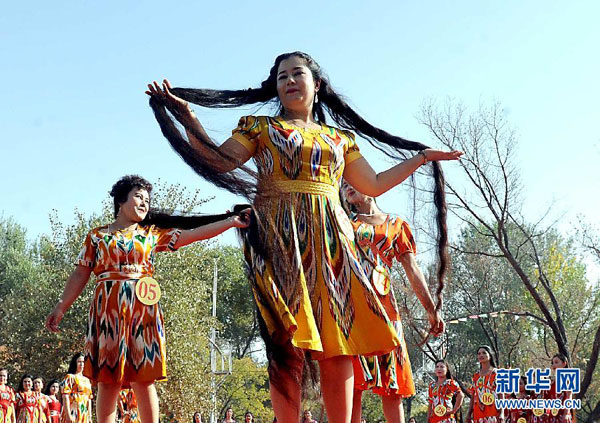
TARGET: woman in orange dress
(482,408)
(383,238)
(312,296)
(54,405)
(7,399)
(125,342)
(27,407)
(445,396)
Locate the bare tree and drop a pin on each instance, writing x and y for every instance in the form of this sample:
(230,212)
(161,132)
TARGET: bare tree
(490,203)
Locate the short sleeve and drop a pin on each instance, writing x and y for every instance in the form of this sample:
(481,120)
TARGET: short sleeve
(430,394)
(87,255)
(404,241)
(352,152)
(453,387)
(166,238)
(247,132)
(67,385)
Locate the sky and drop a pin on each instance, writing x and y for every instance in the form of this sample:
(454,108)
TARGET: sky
(74,117)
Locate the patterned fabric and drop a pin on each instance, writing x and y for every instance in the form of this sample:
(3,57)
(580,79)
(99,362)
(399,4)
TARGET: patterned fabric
(388,374)
(442,395)
(79,390)
(128,406)
(517,415)
(43,407)
(54,409)
(7,404)
(484,386)
(329,306)
(125,339)
(27,407)
(558,415)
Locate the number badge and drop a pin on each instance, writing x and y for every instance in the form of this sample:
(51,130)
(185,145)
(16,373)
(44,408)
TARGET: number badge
(147,290)
(487,398)
(440,410)
(538,412)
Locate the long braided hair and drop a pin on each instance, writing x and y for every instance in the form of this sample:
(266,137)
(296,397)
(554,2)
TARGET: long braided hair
(244,180)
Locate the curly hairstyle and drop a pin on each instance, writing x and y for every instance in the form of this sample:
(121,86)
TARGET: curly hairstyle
(120,193)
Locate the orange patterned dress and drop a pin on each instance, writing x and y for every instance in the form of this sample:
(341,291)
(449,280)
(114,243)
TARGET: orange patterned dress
(322,301)
(125,339)
(79,390)
(440,401)
(128,406)
(484,398)
(388,374)
(27,407)
(7,404)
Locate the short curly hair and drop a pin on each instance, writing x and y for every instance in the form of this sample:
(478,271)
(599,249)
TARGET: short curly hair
(121,189)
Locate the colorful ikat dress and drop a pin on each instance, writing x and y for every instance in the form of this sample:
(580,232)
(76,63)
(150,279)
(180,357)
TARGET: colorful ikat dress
(484,398)
(125,339)
(322,300)
(7,404)
(27,407)
(440,400)
(388,374)
(79,390)
(128,406)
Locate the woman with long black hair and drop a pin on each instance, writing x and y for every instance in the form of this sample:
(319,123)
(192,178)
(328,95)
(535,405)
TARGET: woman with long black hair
(445,396)
(125,343)
(482,408)
(309,287)
(76,390)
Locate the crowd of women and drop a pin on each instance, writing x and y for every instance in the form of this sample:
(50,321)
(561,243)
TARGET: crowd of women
(318,250)
(68,400)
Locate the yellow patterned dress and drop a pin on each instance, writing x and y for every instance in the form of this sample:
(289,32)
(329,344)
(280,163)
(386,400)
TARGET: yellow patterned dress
(125,339)
(387,374)
(328,306)
(79,390)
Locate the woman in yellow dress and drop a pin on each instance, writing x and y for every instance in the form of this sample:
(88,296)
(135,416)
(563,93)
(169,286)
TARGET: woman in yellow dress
(309,287)
(125,342)
(76,391)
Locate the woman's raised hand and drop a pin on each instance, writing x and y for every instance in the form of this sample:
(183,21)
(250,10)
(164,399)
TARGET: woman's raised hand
(163,92)
(439,155)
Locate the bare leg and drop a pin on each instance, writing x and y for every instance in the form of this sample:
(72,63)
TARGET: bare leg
(357,406)
(286,399)
(285,385)
(392,409)
(147,399)
(106,404)
(337,384)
